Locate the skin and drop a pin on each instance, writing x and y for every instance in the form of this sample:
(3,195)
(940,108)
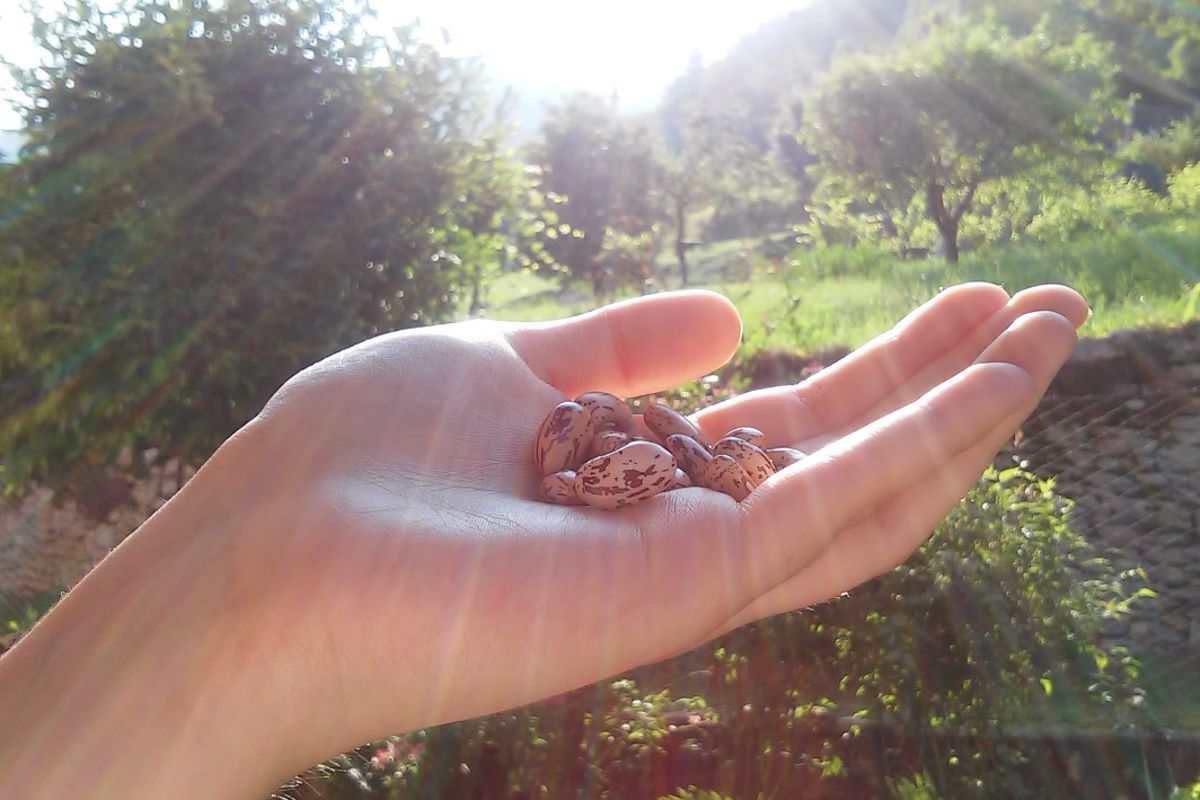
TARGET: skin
(367,556)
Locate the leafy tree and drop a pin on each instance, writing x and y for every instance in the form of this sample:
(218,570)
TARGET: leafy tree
(214,195)
(602,173)
(969,106)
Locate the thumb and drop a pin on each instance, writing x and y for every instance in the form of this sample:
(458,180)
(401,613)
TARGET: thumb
(633,347)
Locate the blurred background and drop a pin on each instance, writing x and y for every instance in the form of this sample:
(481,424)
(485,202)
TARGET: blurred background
(198,198)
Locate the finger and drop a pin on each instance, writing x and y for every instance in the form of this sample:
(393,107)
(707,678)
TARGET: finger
(633,347)
(844,390)
(896,528)
(884,539)
(870,467)
(788,422)
(1061,300)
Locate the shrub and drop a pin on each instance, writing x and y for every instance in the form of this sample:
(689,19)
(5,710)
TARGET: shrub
(1108,205)
(1185,189)
(1166,149)
(993,624)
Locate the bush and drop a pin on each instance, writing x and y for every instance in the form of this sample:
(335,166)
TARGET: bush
(1166,149)
(1109,205)
(1185,189)
(1109,267)
(997,615)
(993,624)
(755,213)
(838,261)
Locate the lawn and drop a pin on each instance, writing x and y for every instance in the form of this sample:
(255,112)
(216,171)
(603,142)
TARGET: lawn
(838,296)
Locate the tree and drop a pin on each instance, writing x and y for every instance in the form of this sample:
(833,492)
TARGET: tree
(968,106)
(602,174)
(214,195)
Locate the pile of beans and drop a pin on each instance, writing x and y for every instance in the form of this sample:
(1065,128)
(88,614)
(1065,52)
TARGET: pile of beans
(592,451)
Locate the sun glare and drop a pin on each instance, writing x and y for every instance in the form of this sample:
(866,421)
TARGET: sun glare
(632,49)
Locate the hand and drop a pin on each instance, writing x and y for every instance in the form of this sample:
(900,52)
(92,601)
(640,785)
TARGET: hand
(375,554)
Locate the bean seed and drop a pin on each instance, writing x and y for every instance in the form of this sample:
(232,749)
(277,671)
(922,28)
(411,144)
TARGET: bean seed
(559,489)
(752,459)
(725,475)
(607,441)
(784,457)
(634,473)
(608,411)
(664,421)
(752,435)
(563,438)
(691,456)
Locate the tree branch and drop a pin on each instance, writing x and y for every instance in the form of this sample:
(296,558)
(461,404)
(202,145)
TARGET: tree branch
(936,205)
(965,203)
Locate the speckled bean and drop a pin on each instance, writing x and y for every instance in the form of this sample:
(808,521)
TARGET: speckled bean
(559,489)
(725,475)
(691,456)
(784,457)
(563,439)
(634,473)
(608,411)
(664,422)
(752,435)
(607,441)
(752,459)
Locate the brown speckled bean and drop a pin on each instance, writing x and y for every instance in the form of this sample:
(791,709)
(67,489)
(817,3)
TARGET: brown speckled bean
(682,481)
(608,411)
(664,421)
(559,489)
(725,475)
(634,473)
(784,457)
(563,439)
(752,435)
(752,459)
(607,441)
(691,456)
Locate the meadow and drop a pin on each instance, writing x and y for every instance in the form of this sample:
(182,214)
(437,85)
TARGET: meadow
(813,298)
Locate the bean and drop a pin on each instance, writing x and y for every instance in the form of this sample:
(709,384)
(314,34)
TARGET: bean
(632,474)
(563,439)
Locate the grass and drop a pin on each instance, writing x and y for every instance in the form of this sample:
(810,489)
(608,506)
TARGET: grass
(839,296)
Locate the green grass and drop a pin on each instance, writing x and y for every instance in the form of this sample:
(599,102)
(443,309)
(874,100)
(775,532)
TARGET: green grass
(838,296)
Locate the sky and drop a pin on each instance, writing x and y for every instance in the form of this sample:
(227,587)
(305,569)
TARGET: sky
(634,48)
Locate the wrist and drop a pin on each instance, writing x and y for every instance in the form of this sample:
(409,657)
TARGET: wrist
(144,681)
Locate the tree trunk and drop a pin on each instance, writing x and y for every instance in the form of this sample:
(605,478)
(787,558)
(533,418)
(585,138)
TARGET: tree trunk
(681,239)
(476,291)
(947,221)
(950,241)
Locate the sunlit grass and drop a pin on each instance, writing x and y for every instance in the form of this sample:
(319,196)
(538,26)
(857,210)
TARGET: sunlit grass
(834,296)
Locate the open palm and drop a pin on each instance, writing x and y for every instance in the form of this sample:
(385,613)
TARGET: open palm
(389,520)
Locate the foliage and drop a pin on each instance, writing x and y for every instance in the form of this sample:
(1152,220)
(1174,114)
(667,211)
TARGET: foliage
(1168,149)
(694,793)
(601,173)
(972,635)
(710,158)
(603,742)
(214,196)
(970,105)
(1156,40)
(1185,189)
(19,614)
(1109,205)
(997,616)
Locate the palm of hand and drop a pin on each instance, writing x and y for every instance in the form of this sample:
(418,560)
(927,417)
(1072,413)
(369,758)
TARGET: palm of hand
(405,493)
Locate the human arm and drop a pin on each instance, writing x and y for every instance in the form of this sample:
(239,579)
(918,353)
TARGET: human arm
(368,556)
